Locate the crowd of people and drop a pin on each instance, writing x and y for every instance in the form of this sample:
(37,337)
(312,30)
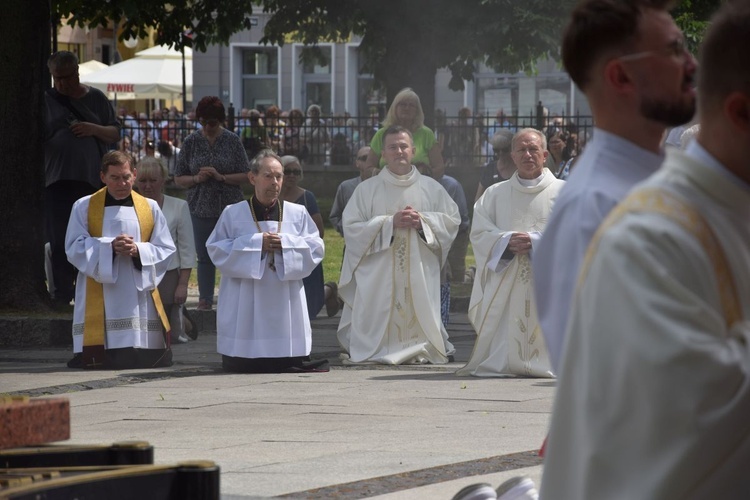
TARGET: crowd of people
(620,268)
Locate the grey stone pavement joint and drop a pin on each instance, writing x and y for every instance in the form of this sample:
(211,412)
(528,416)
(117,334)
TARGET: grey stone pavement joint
(431,476)
(407,432)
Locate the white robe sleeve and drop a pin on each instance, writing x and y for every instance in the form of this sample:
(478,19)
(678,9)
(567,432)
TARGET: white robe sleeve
(488,241)
(237,249)
(441,226)
(92,256)
(236,256)
(155,254)
(364,234)
(303,249)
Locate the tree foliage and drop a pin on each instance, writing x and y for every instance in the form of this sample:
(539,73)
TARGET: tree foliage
(404,42)
(208,21)
(693,17)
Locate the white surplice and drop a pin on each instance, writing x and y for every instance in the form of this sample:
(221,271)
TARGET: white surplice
(130,318)
(390,278)
(262,312)
(502,308)
(654,394)
(607,170)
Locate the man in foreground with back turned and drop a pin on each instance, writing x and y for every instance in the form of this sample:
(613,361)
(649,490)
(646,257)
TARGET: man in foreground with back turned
(654,394)
(630,60)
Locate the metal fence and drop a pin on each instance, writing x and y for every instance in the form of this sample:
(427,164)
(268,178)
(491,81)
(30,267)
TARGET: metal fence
(335,140)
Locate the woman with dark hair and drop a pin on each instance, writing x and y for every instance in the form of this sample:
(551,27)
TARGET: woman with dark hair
(212,165)
(557,141)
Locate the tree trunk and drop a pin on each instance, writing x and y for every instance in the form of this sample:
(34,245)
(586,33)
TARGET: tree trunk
(408,59)
(24,61)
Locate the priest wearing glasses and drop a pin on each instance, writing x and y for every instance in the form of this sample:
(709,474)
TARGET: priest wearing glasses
(264,247)
(120,243)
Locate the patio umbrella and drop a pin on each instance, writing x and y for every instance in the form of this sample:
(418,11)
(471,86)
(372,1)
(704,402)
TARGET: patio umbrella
(154,73)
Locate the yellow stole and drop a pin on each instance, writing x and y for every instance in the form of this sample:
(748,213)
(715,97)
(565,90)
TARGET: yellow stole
(680,211)
(93,327)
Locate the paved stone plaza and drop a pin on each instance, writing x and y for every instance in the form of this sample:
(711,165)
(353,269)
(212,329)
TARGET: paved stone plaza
(401,432)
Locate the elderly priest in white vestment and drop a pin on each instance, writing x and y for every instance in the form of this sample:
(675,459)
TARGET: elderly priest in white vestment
(120,243)
(653,398)
(264,247)
(508,222)
(398,228)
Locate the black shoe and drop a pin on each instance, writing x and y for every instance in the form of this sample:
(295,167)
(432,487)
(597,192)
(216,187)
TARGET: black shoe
(77,361)
(305,366)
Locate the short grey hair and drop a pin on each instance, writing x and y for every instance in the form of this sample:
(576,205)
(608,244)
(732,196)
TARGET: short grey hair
(533,131)
(62,59)
(264,153)
(502,141)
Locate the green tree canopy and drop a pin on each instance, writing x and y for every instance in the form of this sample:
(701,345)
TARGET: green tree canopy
(404,42)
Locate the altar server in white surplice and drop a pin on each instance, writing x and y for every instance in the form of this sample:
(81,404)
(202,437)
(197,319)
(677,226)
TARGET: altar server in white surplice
(398,228)
(654,393)
(508,222)
(120,243)
(264,247)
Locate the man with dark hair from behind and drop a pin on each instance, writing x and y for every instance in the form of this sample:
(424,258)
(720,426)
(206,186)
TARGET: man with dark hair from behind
(654,393)
(630,60)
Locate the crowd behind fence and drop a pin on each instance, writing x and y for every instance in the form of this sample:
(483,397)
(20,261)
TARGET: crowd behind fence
(335,140)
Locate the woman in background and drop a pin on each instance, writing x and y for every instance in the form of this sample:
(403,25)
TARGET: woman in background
(406,111)
(173,289)
(292,192)
(212,165)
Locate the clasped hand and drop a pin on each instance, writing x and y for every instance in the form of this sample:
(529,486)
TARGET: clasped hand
(125,245)
(205,173)
(271,242)
(408,218)
(82,129)
(520,243)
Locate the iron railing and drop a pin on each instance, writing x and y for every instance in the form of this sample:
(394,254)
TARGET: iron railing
(336,140)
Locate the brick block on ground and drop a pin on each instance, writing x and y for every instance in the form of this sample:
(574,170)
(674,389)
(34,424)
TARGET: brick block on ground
(28,422)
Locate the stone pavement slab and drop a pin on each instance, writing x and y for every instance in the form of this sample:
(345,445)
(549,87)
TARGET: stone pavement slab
(355,432)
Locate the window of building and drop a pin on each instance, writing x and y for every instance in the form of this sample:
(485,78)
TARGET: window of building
(260,73)
(316,81)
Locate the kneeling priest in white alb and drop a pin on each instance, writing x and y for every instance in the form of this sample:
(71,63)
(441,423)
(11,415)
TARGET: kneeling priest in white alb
(508,221)
(264,247)
(120,243)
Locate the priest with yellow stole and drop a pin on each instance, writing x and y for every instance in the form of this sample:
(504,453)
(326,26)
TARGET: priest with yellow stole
(120,243)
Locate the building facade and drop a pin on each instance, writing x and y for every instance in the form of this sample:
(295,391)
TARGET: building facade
(249,75)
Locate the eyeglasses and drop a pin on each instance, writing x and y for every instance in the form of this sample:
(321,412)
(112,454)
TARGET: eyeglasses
(362,158)
(296,172)
(677,49)
(69,76)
